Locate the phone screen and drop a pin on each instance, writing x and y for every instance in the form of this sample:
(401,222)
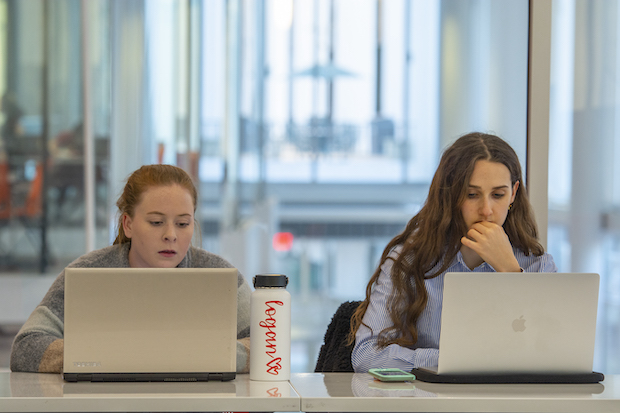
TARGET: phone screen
(391,375)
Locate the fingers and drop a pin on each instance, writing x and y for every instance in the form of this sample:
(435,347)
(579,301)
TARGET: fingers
(484,226)
(481,230)
(486,238)
(470,243)
(491,243)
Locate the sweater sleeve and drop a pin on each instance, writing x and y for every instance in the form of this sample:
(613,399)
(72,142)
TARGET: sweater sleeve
(38,346)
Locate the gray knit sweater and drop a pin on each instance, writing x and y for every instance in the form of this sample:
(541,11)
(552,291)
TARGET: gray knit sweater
(38,346)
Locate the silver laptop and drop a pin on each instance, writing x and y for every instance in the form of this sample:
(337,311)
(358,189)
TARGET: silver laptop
(155,324)
(498,323)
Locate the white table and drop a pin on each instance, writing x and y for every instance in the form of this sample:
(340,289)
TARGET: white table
(307,392)
(33,392)
(349,392)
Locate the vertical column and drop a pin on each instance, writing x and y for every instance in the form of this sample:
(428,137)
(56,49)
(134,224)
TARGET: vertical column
(259,99)
(594,130)
(230,203)
(407,92)
(130,145)
(538,112)
(45,134)
(89,143)
(596,34)
(194,84)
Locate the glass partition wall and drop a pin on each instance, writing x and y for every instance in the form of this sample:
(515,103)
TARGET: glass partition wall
(340,123)
(584,145)
(312,136)
(42,175)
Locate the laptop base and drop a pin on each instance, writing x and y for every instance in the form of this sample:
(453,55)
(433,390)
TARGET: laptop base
(144,377)
(511,378)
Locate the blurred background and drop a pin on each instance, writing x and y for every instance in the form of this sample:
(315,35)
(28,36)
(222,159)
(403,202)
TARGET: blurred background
(311,127)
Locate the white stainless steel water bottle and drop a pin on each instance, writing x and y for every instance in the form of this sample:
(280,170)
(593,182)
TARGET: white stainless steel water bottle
(270,328)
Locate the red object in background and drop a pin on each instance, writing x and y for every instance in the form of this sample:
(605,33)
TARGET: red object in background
(282,241)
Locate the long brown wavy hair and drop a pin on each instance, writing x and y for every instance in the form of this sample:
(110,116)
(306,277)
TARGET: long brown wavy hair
(143,178)
(432,238)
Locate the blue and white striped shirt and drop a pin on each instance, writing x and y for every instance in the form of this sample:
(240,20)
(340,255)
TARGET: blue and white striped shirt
(425,353)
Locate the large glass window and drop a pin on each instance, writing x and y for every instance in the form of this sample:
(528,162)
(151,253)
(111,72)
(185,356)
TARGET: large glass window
(340,123)
(43,131)
(313,136)
(584,146)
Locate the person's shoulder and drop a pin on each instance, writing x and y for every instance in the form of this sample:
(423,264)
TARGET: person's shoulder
(107,257)
(396,251)
(201,258)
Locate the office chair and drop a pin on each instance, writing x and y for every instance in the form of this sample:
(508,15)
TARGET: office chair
(335,355)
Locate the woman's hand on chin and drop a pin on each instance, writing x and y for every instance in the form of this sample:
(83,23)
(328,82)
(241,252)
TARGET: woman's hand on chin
(492,245)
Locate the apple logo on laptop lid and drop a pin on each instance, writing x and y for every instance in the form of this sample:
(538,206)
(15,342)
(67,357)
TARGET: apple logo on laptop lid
(518,324)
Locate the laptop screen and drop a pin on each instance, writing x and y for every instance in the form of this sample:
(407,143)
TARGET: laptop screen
(518,323)
(139,324)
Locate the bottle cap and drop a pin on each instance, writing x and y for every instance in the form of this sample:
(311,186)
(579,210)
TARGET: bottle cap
(270,280)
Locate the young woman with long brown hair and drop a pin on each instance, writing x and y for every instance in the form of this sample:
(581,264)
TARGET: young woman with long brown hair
(477,217)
